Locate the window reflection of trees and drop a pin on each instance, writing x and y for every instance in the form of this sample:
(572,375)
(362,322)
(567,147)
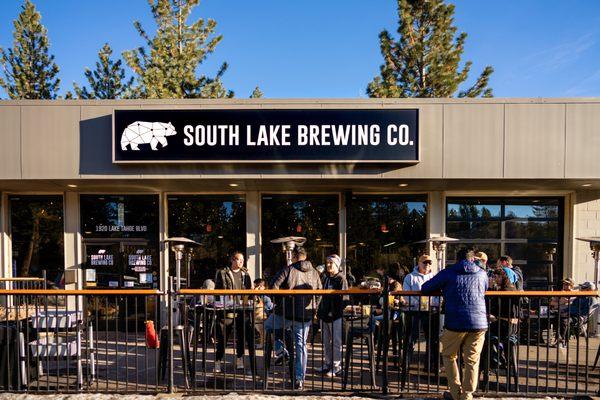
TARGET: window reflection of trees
(527,229)
(382,230)
(218,223)
(311,216)
(114,210)
(37,235)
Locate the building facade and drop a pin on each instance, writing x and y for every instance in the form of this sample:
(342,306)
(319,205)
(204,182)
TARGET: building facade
(505,176)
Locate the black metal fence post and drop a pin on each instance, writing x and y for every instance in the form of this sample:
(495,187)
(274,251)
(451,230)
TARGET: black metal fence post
(170,305)
(385,334)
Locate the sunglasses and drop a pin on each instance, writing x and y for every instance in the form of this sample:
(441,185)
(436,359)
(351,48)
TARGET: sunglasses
(427,262)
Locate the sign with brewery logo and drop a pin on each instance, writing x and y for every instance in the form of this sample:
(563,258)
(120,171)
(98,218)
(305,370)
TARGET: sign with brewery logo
(101,259)
(266,136)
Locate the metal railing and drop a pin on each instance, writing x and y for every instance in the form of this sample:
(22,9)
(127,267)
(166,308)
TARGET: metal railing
(64,341)
(24,282)
(99,341)
(536,343)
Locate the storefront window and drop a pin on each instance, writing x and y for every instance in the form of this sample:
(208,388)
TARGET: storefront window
(527,229)
(218,223)
(382,231)
(120,235)
(37,236)
(314,217)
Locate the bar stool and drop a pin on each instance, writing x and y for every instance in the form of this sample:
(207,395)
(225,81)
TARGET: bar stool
(396,330)
(179,335)
(365,333)
(597,358)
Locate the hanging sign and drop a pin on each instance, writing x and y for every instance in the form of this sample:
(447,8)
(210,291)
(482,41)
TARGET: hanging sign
(266,136)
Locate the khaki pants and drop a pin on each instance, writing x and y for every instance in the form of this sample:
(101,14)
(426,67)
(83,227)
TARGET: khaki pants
(472,344)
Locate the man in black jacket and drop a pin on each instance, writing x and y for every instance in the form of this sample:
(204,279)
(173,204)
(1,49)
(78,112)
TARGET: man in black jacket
(331,311)
(295,312)
(234,277)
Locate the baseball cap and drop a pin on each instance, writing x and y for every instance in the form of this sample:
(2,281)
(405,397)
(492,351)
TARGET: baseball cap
(587,285)
(480,255)
(569,281)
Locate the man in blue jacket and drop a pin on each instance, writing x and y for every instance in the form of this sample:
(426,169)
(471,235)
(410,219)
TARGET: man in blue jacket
(463,286)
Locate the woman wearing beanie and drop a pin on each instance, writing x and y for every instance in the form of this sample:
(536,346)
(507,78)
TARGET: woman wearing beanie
(330,313)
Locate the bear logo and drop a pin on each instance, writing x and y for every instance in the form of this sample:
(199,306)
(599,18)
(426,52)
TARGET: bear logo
(152,133)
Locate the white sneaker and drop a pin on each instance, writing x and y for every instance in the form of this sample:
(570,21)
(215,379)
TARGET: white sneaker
(333,372)
(218,366)
(239,362)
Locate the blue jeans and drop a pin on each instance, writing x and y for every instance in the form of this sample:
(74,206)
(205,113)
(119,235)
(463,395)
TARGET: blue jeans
(300,332)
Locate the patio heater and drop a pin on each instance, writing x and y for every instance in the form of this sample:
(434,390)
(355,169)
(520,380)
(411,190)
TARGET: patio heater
(180,246)
(594,242)
(438,243)
(289,243)
(550,254)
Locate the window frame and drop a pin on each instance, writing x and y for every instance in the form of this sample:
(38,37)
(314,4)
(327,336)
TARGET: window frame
(503,201)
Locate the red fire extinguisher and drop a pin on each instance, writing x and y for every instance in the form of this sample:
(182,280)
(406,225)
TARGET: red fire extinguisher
(152,341)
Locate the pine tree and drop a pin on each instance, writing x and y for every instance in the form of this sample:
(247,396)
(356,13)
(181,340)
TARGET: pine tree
(29,71)
(107,81)
(168,67)
(256,93)
(424,62)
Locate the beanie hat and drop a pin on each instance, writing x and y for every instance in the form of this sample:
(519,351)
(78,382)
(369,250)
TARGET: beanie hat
(335,259)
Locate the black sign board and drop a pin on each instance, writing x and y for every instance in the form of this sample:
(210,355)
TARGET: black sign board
(266,136)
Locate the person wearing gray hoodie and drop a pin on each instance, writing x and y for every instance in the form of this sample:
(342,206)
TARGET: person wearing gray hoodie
(297,312)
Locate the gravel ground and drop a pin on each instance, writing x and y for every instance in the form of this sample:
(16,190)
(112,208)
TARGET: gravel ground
(231,396)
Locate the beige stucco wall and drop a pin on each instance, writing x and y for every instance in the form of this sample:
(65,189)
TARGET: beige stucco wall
(586,224)
(522,138)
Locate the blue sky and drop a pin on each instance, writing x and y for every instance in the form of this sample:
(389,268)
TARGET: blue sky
(317,48)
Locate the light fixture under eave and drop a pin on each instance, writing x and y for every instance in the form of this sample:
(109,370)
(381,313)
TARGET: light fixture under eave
(71,185)
(586,185)
(318,239)
(331,224)
(402,184)
(234,185)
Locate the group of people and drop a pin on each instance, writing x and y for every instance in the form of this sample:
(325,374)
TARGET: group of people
(462,286)
(285,314)
(572,311)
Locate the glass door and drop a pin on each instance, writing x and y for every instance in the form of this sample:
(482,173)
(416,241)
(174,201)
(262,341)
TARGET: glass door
(120,234)
(120,263)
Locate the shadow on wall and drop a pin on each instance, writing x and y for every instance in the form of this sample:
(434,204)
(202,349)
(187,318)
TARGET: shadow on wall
(95,149)
(95,158)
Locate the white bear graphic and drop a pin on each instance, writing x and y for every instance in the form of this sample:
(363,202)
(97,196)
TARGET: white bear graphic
(141,132)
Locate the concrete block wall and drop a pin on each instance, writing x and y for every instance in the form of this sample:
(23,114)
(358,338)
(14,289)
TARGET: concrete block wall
(586,223)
